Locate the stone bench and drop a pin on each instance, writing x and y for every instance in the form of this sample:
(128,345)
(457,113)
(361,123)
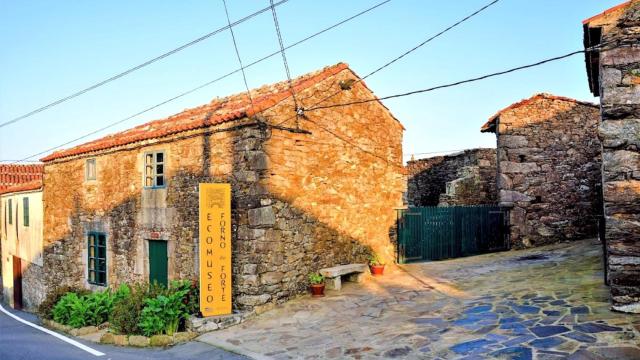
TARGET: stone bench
(333,275)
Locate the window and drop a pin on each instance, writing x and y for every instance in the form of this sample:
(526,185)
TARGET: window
(10,212)
(90,169)
(154,169)
(97,258)
(25,211)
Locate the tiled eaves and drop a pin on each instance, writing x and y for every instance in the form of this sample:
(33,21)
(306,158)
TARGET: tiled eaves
(28,186)
(224,110)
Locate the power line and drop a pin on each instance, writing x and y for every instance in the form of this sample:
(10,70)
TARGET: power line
(138,67)
(363,12)
(235,46)
(284,57)
(457,83)
(397,58)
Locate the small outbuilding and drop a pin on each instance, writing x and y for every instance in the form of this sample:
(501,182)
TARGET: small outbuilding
(548,166)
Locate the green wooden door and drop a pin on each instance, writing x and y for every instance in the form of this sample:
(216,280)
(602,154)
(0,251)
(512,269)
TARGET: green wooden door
(158,269)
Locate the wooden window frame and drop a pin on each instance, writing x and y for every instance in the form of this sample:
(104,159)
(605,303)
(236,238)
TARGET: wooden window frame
(151,172)
(87,174)
(96,269)
(25,211)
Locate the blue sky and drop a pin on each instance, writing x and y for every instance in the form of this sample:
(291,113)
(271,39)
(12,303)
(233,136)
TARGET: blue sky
(52,49)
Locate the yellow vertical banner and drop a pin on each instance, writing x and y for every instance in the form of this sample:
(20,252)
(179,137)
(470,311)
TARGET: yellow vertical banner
(215,249)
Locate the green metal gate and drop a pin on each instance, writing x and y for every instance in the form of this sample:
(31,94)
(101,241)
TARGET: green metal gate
(437,233)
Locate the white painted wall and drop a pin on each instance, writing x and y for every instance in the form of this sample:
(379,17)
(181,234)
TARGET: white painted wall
(22,241)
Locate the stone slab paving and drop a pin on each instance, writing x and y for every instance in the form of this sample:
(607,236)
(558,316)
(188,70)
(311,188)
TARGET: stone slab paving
(546,303)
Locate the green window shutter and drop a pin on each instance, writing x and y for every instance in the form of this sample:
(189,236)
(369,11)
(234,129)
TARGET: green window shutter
(10,212)
(25,211)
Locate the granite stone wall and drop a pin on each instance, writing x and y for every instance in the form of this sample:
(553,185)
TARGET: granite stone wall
(466,178)
(549,159)
(620,133)
(312,192)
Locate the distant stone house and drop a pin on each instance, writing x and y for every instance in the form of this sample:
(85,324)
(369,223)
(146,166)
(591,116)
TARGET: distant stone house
(548,165)
(21,235)
(308,191)
(463,178)
(614,75)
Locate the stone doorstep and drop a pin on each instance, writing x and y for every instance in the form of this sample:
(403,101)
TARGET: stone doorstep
(202,325)
(102,336)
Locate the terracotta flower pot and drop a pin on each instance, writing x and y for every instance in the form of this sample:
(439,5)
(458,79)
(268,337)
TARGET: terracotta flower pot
(317,290)
(376,270)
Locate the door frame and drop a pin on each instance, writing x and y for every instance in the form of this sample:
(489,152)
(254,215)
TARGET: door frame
(17,283)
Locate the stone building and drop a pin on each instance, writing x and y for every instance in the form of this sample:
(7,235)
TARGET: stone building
(308,191)
(549,175)
(464,178)
(614,75)
(21,232)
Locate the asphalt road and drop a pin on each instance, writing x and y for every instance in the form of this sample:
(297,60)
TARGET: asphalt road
(19,341)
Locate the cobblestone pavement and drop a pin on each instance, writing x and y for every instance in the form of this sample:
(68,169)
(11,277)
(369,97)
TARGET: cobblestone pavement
(545,303)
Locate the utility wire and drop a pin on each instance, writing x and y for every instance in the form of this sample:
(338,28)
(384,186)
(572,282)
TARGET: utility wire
(457,83)
(397,58)
(235,46)
(284,58)
(363,12)
(138,67)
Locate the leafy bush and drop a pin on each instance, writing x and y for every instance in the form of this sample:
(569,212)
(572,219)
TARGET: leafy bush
(192,297)
(46,307)
(316,278)
(90,309)
(163,313)
(127,307)
(68,304)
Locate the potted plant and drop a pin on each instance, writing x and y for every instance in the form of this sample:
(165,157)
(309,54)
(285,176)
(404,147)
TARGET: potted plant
(375,266)
(317,284)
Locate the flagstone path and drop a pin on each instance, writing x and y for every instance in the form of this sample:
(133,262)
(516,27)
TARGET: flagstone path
(545,303)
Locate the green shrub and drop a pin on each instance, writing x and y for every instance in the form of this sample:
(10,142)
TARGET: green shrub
(192,297)
(46,307)
(164,313)
(78,311)
(127,307)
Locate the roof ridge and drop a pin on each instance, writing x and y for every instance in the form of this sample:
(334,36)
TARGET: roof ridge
(523,102)
(606,12)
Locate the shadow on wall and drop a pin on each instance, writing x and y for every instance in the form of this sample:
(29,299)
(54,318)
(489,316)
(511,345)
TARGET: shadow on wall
(549,171)
(275,244)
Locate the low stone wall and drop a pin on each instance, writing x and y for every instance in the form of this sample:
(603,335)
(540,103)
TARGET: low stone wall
(466,178)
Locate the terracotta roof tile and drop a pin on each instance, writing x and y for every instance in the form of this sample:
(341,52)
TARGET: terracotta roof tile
(28,186)
(225,109)
(491,122)
(14,174)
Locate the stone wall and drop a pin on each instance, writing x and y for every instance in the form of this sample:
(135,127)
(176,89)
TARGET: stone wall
(619,69)
(549,160)
(466,178)
(307,193)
